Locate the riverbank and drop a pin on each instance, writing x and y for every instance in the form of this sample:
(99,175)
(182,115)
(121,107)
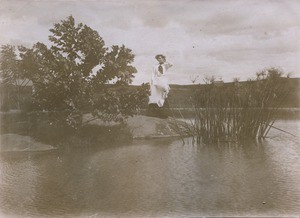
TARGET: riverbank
(97,132)
(17,143)
(188,112)
(142,127)
(44,130)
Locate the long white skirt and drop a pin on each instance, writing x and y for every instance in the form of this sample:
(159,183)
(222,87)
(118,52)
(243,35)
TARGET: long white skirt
(159,91)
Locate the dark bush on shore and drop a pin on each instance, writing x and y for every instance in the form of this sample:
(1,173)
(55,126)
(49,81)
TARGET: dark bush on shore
(117,103)
(88,135)
(49,128)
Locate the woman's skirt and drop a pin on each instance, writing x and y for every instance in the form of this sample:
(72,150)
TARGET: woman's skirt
(159,90)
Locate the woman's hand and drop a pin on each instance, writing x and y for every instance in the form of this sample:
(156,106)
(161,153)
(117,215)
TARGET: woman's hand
(168,65)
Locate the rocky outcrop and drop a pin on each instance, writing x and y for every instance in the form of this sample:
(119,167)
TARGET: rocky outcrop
(141,127)
(150,127)
(15,142)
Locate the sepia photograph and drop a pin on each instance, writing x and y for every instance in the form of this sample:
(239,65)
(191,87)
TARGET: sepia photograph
(150,108)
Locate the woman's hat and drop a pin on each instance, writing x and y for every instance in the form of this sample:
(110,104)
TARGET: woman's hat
(160,55)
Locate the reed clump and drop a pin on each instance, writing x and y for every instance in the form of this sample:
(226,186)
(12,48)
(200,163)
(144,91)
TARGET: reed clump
(235,111)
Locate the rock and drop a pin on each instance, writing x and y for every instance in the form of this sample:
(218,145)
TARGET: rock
(150,127)
(141,127)
(15,142)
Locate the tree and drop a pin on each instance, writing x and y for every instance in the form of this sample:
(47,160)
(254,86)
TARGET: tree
(9,66)
(77,64)
(14,77)
(116,66)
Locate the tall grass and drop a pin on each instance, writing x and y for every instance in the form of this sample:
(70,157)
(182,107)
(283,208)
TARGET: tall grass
(236,111)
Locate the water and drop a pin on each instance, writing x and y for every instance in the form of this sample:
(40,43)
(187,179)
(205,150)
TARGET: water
(156,178)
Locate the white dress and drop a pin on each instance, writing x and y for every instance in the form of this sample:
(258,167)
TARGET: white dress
(159,85)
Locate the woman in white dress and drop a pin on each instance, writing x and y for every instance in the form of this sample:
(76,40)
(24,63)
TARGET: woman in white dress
(159,85)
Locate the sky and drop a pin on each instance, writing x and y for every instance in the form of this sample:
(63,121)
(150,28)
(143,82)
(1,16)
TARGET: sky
(226,39)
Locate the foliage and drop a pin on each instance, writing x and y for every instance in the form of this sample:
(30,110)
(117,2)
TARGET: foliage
(117,103)
(48,128)
(14,77)
(67,74)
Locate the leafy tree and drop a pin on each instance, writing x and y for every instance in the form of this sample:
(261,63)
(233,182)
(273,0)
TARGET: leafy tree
(75,66)
(9,65)
(118,102)
(14,77)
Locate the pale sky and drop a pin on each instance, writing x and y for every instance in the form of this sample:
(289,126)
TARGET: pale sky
(224,38)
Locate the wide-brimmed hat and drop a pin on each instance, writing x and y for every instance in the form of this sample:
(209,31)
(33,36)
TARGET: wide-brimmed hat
(160,55)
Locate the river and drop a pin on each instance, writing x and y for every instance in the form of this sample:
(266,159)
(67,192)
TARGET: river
(154,178)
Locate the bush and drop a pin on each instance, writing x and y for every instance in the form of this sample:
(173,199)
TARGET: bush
(119,102)
(49,128)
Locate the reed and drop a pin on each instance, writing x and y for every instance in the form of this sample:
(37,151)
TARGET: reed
(236,111)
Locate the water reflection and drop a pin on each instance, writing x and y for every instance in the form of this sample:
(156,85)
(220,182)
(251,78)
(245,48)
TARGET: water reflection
(155,178)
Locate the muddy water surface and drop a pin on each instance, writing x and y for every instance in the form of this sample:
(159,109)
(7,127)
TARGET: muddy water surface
(156,178)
